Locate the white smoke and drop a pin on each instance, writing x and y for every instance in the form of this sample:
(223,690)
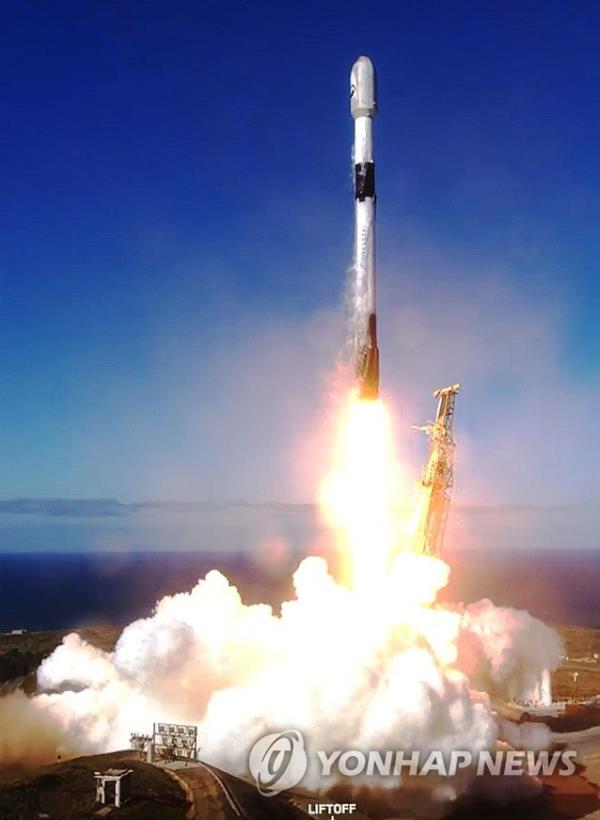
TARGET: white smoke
(348,670)
(507,651)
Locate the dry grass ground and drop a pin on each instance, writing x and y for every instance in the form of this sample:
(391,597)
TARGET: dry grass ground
(66,791)
(579,675)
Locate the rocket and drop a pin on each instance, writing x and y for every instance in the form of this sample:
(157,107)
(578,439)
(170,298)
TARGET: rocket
(363,106)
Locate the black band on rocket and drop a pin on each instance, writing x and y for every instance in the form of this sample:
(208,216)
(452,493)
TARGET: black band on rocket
(364,180)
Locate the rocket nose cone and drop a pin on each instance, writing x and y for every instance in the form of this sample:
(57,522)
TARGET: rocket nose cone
(363,102)
(364,63)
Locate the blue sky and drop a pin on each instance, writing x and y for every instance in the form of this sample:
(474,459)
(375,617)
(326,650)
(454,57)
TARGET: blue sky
(177,218)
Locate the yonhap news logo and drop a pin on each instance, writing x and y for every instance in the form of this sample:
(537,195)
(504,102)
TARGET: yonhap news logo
(278,761)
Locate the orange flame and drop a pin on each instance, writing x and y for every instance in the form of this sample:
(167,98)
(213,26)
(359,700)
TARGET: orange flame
(361,497)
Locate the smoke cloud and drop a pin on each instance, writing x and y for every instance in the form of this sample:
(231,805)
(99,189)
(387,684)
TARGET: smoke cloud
(349,670)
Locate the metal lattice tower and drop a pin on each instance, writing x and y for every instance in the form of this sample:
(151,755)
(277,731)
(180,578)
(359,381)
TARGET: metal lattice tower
(438,475)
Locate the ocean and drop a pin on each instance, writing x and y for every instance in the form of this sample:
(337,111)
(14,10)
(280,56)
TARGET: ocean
(45,591)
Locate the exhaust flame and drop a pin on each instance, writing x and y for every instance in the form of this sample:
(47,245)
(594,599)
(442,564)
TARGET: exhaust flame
(360,496)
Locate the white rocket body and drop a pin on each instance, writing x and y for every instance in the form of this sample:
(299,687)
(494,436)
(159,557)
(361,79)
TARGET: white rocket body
(363,105)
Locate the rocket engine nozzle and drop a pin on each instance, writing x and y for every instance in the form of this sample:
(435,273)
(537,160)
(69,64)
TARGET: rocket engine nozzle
(368,364)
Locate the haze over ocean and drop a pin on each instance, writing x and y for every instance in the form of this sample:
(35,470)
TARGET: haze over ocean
(63,525)
(73,563)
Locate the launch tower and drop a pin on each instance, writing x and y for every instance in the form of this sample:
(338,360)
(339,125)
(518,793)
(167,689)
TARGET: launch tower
(438,476)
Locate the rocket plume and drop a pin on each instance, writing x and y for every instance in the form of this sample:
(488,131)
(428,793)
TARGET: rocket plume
(373,663)
(360,496)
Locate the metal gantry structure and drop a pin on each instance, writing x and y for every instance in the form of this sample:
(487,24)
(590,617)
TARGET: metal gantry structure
(438,475)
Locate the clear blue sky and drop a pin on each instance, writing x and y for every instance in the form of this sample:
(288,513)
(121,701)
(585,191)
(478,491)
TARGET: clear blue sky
(176,182)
